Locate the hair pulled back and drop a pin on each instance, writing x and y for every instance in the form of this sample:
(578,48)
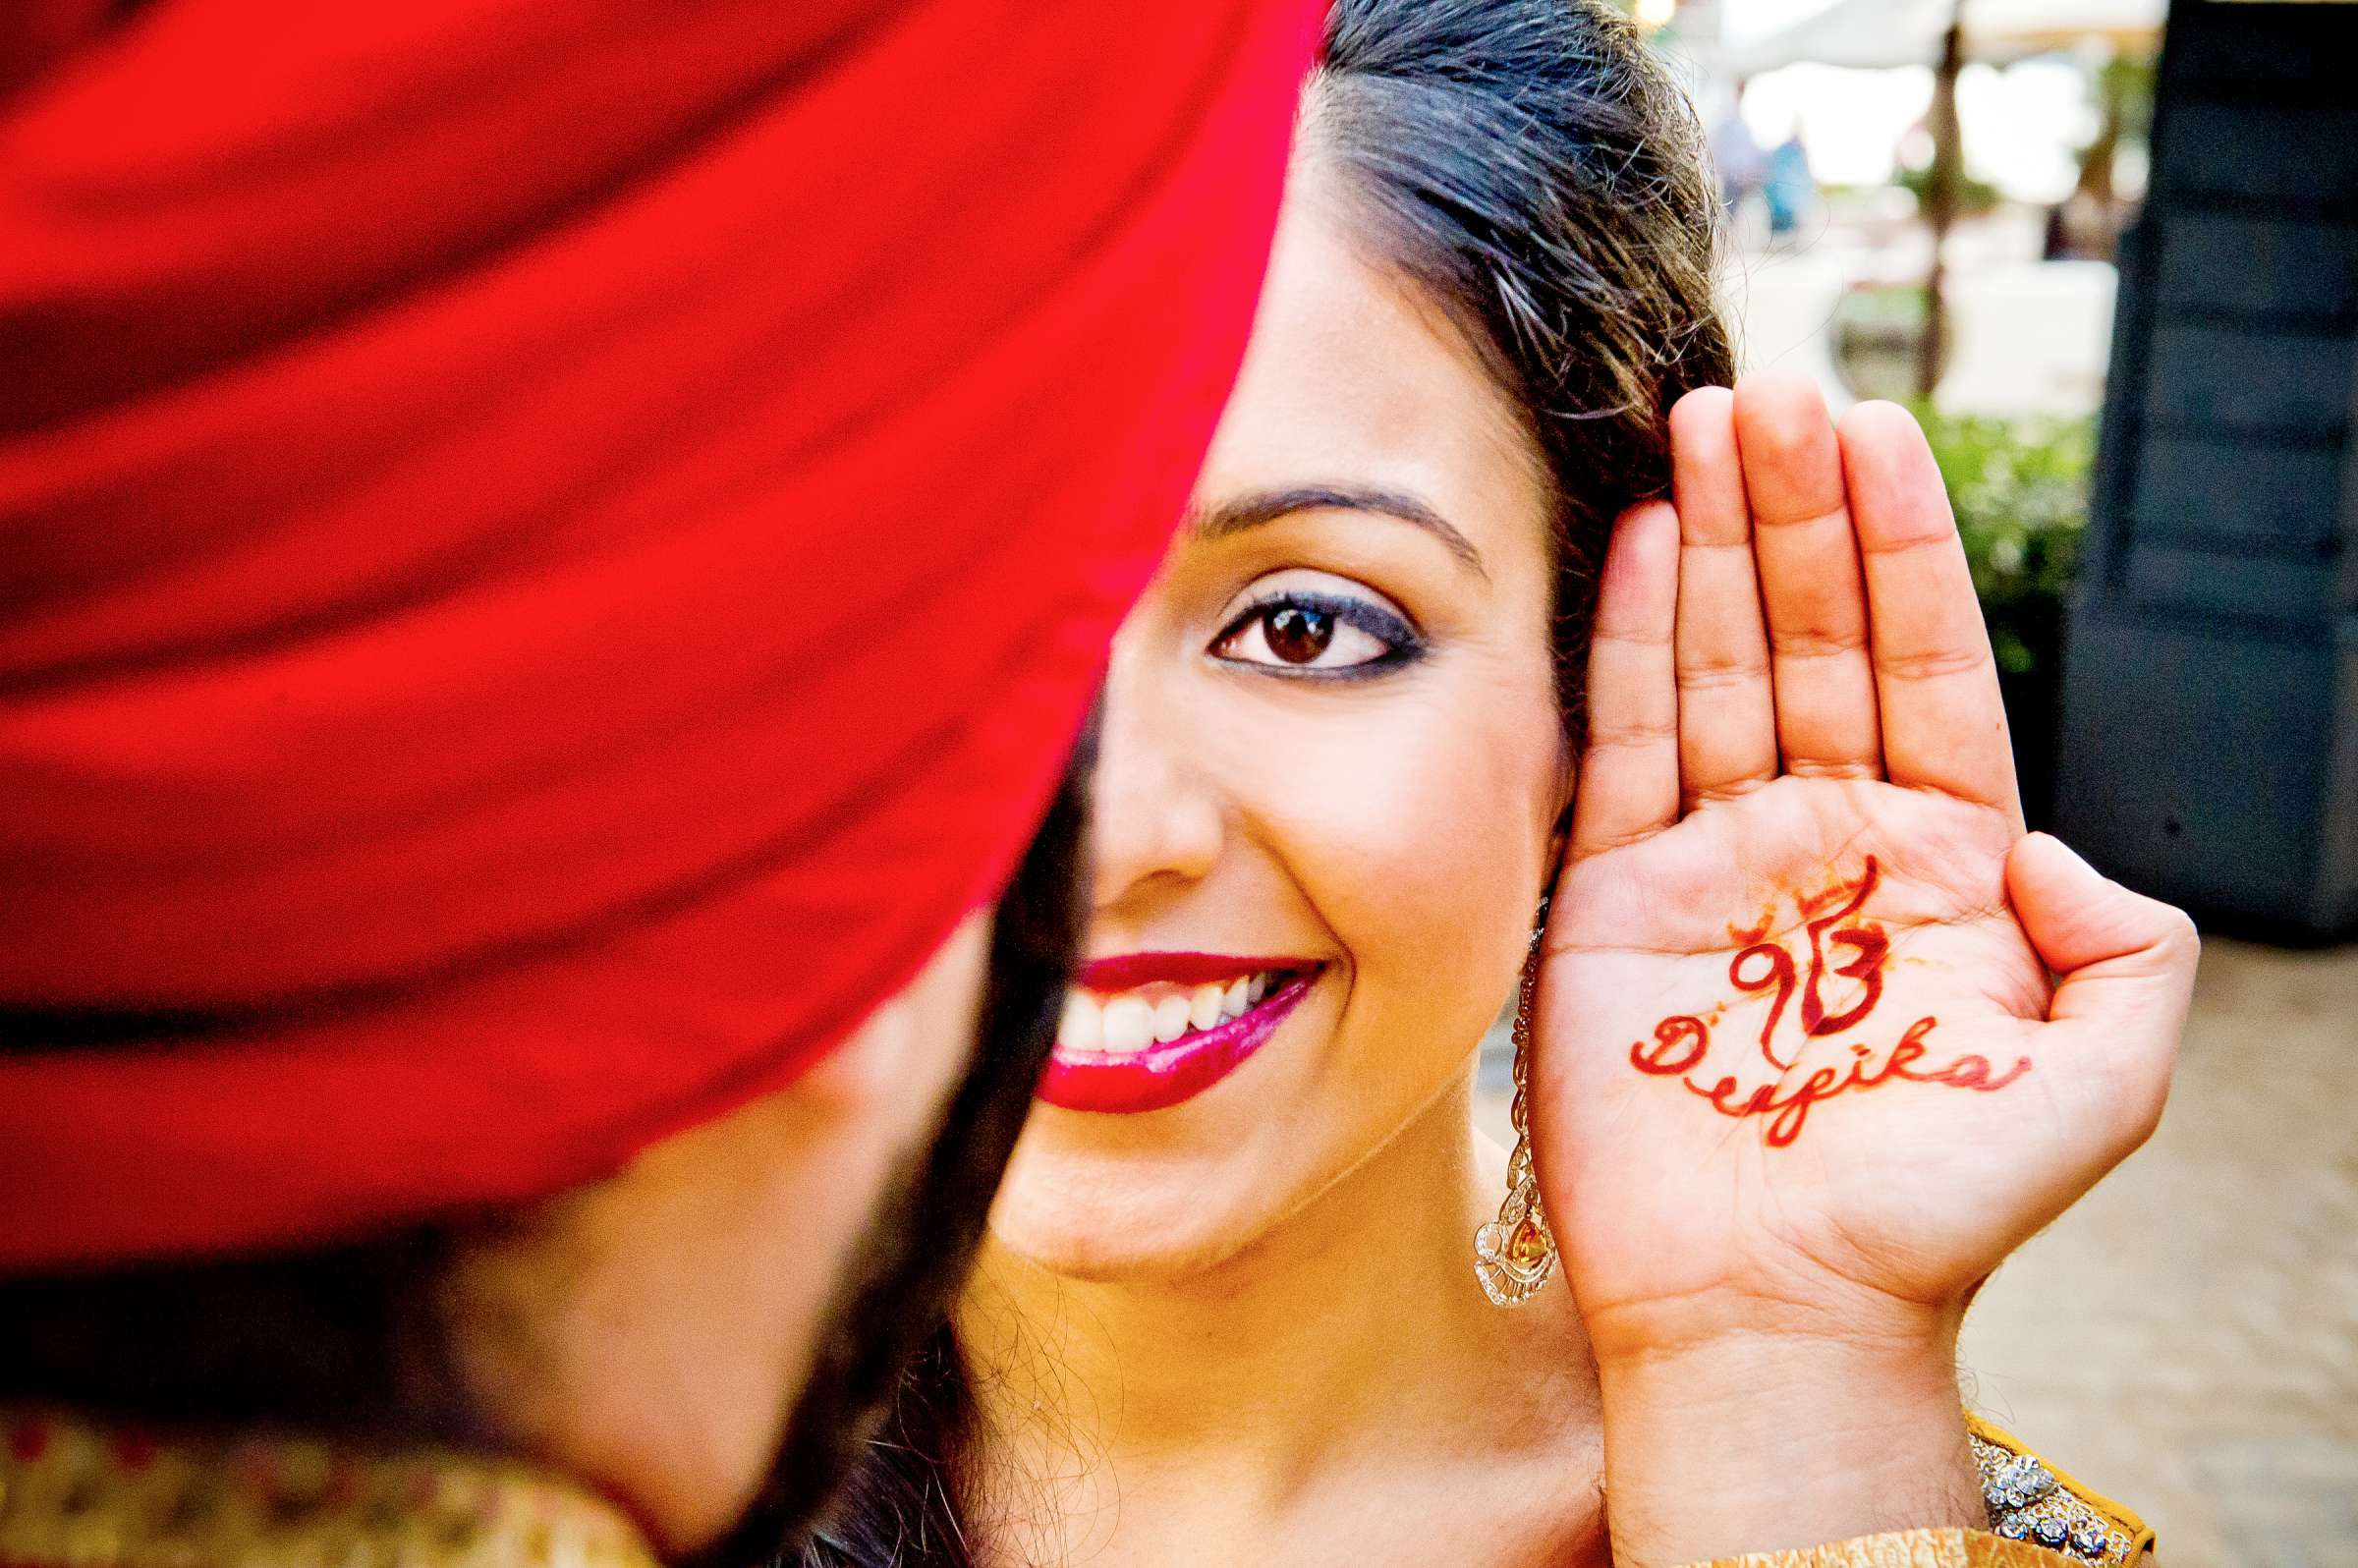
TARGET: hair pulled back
(1536,174)
(1532,171)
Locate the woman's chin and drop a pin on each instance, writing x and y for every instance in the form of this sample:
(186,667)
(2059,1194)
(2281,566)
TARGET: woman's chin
(1122,1225)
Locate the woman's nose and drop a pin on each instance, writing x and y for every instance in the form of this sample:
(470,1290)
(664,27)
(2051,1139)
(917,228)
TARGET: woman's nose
(1155,820)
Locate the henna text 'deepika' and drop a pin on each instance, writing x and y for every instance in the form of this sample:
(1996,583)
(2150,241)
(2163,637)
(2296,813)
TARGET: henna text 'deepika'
(1681,1043)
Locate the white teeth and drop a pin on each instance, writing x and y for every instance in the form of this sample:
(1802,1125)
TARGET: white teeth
(1129,1025)
(1170,1019)
(1237,997)
(1158,1013)
(1083,1024)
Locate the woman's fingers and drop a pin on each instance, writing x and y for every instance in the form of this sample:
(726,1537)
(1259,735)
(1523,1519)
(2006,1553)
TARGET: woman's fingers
(1810,580)
(1628,783)
(1807,601)
(1944,721)
(1726,712)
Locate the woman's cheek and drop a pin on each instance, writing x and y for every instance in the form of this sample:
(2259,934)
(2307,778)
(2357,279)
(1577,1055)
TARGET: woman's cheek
(1429,821)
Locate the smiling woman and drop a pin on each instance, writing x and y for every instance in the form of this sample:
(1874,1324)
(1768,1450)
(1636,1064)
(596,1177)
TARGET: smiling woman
(1428,638)
(1332,746)
(1337,750)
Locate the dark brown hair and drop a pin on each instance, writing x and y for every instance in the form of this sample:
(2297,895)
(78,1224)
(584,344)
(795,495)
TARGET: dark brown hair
(1532,171)
(1536,172)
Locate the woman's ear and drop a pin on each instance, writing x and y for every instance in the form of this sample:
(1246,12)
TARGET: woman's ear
(1567,791)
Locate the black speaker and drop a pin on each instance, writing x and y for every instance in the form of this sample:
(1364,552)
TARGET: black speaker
(2208,748)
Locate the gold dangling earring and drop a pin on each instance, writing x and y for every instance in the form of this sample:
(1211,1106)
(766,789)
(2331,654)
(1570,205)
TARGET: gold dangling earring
(1514,1253)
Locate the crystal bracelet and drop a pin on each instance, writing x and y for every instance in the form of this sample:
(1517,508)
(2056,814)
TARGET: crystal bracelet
(2027,1503)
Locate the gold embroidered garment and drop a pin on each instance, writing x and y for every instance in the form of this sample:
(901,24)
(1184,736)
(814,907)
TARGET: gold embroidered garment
(76,1495)
(2048,1520)
(1908,1548)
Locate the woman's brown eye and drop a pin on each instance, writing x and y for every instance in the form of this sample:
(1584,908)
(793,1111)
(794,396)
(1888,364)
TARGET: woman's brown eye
(1302,634)
(1298,635)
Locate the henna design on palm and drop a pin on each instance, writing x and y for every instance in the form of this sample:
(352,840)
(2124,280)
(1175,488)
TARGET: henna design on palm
(1683,1041)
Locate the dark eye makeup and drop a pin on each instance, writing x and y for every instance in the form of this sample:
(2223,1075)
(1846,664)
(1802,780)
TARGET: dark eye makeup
(1299,627)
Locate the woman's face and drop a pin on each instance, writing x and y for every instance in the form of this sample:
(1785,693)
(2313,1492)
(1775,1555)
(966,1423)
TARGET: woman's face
(1331,773)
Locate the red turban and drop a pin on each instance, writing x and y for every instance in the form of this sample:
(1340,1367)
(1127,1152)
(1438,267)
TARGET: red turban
(551,549)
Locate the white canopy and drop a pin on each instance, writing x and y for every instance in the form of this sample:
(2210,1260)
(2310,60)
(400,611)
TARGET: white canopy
(1880,33)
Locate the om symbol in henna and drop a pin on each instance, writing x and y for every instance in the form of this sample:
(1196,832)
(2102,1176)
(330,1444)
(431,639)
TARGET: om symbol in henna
(1682,1041)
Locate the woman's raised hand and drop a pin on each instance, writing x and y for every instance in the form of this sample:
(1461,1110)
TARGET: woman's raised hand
(1800,1076)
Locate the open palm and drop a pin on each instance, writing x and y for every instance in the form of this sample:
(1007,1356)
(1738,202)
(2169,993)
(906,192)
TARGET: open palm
(1797,1053)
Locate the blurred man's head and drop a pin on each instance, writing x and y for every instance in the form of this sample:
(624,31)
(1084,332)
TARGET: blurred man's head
(637,1331)
(704,1331)
(556,552)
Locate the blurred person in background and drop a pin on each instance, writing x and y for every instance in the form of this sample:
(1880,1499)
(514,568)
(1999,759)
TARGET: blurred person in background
(554,557)
(1786,185)
(1429,650)
(1736,154)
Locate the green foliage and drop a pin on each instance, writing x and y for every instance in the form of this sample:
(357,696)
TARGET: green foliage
(2020,490)
(1973,196)
(2128,84)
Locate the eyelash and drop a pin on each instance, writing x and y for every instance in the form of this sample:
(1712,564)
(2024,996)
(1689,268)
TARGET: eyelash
(1404,644)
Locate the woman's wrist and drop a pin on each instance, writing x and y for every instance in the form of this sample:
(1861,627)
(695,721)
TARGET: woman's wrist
(1763,1440)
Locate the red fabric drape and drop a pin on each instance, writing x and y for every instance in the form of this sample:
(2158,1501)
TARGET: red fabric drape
(550,549)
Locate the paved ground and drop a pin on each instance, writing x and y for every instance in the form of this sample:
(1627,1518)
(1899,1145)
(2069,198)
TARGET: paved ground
(2186,1339)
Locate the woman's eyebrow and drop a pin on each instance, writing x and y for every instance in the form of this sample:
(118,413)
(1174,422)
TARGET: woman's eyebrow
(1251,510)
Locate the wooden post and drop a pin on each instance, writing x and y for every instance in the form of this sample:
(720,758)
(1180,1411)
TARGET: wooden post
(1942,188)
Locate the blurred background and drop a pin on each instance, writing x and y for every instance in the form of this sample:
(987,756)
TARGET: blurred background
(2109,250)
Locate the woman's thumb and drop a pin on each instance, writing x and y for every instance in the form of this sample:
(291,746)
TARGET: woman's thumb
(2077,918)
(2124,963)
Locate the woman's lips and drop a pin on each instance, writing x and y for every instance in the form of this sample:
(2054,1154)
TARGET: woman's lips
(1150,1030)
(1130,971)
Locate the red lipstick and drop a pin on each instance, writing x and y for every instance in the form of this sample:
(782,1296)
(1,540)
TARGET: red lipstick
(1163,1074)
(1133,970)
